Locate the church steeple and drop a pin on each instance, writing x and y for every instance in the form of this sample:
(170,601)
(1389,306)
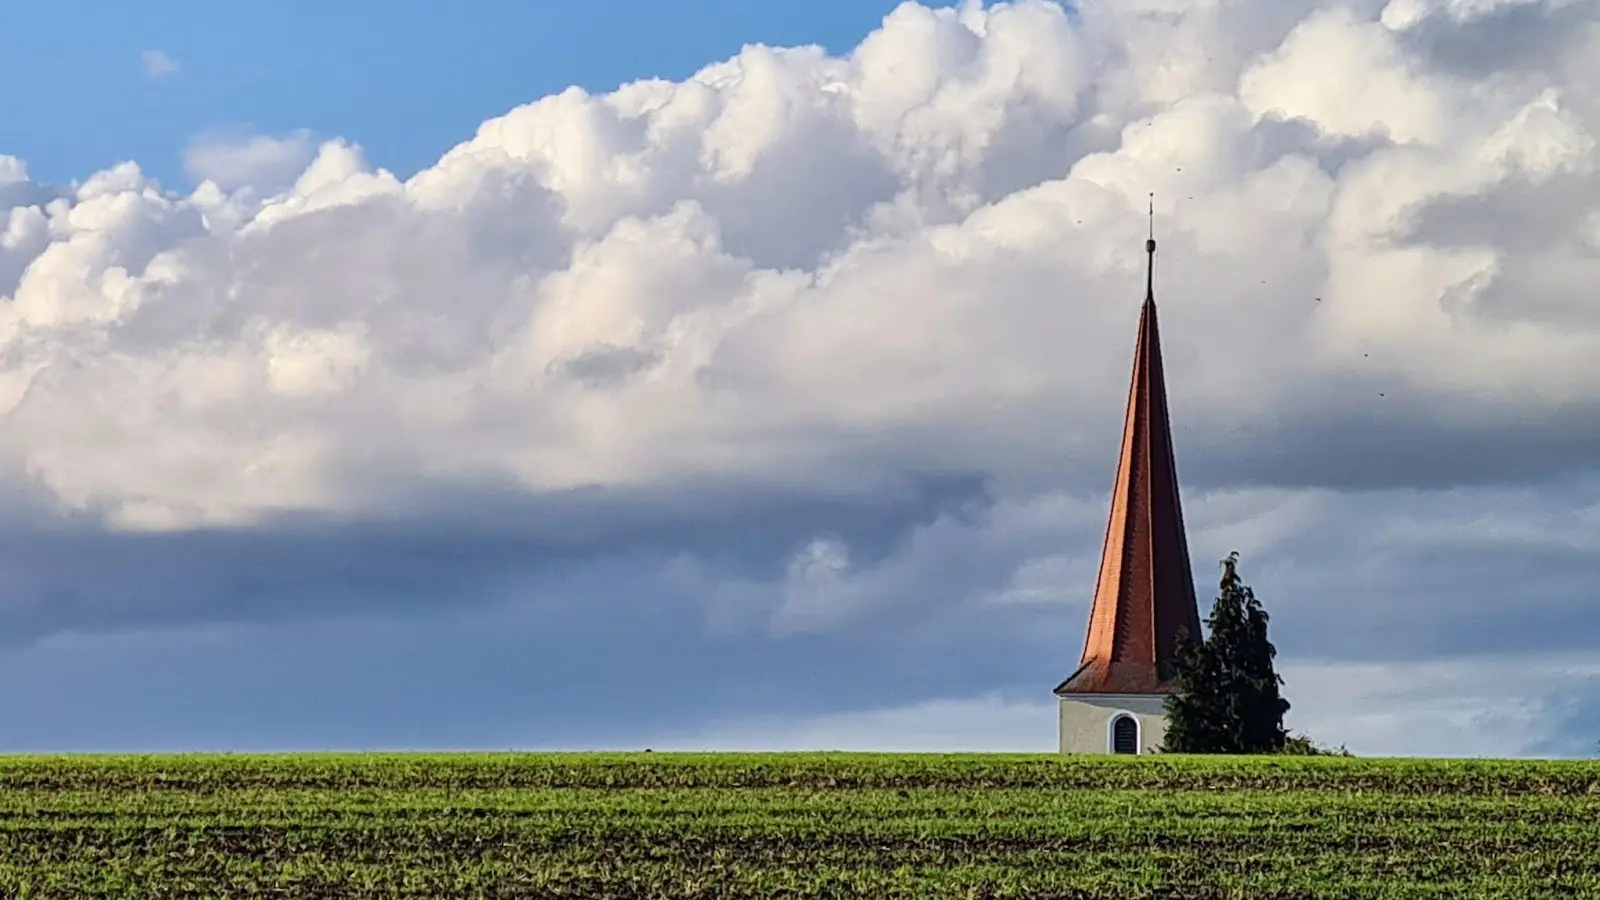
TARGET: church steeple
(1145,596)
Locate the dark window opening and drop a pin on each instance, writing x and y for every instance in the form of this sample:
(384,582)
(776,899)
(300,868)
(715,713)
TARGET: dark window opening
(1124,735)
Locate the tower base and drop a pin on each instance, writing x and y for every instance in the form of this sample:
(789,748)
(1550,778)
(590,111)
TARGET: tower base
(1112,723)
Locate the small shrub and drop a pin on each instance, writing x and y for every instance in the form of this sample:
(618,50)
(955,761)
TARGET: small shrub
(1303,745)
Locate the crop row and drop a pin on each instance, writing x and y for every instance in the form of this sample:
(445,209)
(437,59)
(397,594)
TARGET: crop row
(738,873)
(57,842)
(798,771)
(1008,803)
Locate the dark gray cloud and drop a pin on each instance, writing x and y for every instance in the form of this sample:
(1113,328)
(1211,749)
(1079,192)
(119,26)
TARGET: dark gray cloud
(603,670)
(606,365)
(457,550)
(1503,36)
(1380,436)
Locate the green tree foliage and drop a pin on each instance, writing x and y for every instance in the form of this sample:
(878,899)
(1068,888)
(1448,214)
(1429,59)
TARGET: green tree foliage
(1228,696)
(1303,745)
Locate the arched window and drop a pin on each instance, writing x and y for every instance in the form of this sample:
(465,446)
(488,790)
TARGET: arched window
(1124,734)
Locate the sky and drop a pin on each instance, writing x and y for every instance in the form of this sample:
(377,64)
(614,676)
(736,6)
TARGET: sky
(716,375)
(89,84)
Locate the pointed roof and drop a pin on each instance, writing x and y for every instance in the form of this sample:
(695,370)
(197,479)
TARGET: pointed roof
(1145,595)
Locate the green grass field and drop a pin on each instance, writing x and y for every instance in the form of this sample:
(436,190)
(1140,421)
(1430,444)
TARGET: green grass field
(786,825)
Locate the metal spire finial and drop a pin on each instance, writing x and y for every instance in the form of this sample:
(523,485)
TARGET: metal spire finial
(1150,248)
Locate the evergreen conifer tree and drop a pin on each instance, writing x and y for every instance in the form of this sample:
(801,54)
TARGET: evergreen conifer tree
(1260,684)
(1228,698)
(1194,718)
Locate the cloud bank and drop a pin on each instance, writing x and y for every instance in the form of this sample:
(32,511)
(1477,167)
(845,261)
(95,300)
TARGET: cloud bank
(822,358)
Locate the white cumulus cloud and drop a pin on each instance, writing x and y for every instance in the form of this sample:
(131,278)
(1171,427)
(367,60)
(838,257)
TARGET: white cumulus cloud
(157,64)
(235,161)
(796,266)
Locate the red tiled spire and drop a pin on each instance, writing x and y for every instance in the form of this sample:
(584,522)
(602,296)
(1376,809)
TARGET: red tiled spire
(1145,595)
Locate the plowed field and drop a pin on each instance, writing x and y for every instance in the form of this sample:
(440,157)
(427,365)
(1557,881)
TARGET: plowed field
(678,826)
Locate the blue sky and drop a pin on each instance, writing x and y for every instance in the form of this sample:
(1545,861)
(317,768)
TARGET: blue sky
(773,403)
(407,79)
